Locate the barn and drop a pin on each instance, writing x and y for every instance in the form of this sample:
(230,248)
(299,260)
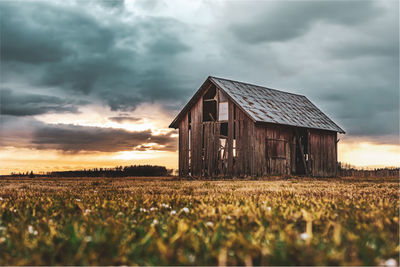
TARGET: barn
(236,129)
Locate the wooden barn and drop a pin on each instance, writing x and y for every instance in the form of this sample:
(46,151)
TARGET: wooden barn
(236,129)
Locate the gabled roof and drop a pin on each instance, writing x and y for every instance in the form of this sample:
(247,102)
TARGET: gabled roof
(263,104)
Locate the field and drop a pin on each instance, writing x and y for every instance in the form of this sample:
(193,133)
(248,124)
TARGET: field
(164,221)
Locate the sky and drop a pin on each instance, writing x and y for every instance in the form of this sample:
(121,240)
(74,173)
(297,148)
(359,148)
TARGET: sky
(96,83)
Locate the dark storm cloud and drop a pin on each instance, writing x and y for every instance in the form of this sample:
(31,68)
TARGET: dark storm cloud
(18,104)
(78,51)
(376,48)
(112,4)
(122,119)
(373,114)
(73,139)
(27,42)
(341,55)
(290,19)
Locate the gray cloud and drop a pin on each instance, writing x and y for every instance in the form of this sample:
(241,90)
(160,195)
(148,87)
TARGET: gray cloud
(77,51)
(17,104)
(73,139)
(273,21)
(122,119)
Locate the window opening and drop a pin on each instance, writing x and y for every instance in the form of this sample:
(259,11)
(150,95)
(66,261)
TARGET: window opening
(223,111)
(234,148)
(223,129)
(223,148)
(210,104)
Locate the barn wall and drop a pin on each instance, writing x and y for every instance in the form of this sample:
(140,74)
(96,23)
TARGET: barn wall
(196,138)
(323,153)
(211,144)
(243,163)
(184,147)
(265,163)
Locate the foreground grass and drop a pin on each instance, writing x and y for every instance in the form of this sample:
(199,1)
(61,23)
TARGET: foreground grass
(169,222)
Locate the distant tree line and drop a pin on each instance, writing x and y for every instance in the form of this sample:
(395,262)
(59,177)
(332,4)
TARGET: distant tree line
(347,170)
(119,171)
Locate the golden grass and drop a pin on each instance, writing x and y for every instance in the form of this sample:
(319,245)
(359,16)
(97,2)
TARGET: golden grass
(166,221)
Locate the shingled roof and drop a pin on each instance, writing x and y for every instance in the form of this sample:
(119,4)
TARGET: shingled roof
(263,104)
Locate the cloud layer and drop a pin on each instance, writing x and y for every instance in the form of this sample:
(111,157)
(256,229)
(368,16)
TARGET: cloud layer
(60,57)
(69,138)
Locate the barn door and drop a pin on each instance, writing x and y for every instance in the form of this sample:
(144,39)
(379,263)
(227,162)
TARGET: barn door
(302,156)
(210,143)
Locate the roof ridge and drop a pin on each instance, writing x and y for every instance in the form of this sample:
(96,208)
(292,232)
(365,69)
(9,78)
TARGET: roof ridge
(252,84)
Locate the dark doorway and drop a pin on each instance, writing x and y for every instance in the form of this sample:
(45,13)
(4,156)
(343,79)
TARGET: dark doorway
(301,151)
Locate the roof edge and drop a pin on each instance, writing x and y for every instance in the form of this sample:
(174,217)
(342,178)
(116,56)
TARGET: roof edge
(252,84)
(174,123)
(313,128)
(231,98)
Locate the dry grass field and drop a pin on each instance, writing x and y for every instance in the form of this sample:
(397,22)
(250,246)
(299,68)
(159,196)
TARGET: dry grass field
(164,221)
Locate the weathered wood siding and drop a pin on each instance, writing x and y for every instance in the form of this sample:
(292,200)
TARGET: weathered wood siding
(184,147)
(196,138)
(243,163)
(323,154)
(265,163)
(211,143)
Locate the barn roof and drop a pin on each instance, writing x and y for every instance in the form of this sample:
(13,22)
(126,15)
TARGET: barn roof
(263,104)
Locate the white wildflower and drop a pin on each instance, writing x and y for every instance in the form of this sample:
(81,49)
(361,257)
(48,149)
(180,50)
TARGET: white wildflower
(269,208)
(165,205)
(1,199)
(209,224)
(229,217)
(153,209)
(2,228)
(120,214)
(191,258)
(173,212)
(95,191)
(77,199)
(155,221)
(2,239)
(31,230)
(87,211)
(185,210)
(142,210)
(88,238)
(305,236)
(390,262)
(15,210)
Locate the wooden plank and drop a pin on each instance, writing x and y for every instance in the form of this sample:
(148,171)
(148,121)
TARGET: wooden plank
(184,147)
(196,138)
(231,108)
(335,156)
(323,153)
(180,149)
